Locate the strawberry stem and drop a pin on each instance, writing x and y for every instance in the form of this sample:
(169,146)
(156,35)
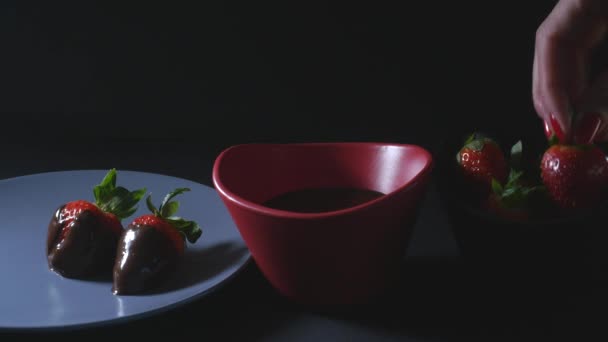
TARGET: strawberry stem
(167,209)
(116,200)
(514,194)
(553,140)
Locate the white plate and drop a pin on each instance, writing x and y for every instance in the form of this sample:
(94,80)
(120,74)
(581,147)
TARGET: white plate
(33,297)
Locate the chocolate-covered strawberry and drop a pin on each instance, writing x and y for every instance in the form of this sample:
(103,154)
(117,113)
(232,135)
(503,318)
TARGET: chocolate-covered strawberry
(82,236)
(151,246)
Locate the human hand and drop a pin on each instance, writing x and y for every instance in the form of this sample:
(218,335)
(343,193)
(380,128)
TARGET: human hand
(573,107)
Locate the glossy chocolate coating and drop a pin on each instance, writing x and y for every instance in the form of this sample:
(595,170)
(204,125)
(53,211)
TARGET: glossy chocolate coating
(145,257)
(88,248)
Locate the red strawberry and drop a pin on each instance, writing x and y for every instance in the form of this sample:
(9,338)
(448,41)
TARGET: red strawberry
(513,201)
(151,246)
(496,206)
(482,160)
(82,236)
(576,176)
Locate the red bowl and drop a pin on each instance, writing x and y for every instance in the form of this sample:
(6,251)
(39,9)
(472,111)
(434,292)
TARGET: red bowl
(344,256)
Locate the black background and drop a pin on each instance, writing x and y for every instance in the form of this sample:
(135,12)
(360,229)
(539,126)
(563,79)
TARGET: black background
(251,72)
(163,88)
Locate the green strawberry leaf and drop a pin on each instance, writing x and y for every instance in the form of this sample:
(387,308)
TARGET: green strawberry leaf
(170,195)
(110,179)
(470,139)
(116,200)
(151,206)
(169,209)
(126,201)
(553,140)
(497,187)
(474,142)
(101,195)
(118,192)
(476,145)
(516,195)
(514,177)
(191,230)
(103,190)
(509,192)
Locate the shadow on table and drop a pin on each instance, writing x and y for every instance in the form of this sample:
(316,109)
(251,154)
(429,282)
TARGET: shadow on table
(447,299)
(199,265)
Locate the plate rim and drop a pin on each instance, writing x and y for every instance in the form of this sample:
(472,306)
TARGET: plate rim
(2,180)
(134,317)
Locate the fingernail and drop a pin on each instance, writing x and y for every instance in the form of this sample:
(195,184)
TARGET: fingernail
(548,131)
(557,129)
(587,128)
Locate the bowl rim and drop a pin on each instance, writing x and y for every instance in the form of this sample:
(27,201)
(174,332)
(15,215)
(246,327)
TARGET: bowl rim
(421,176)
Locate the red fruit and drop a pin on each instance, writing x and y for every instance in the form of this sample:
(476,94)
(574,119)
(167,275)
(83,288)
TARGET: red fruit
(575,176)
(496,206)
(512,200)
(151,246)
(72,210)
(82,236)
(482,160)
(163,226)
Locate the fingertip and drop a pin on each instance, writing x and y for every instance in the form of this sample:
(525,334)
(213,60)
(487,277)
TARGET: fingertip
(558,129)
(548,130)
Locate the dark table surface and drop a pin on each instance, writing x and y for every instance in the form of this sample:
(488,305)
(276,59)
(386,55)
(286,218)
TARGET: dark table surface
(438,297)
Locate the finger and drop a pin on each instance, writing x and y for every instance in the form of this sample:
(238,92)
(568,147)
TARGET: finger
(552,73)
(562,50)
(551,86)
(593,122)
(538,104)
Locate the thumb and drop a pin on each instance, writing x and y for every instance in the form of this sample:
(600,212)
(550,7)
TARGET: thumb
(592,122)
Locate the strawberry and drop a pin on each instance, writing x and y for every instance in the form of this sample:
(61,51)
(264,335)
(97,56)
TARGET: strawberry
(481,160)
(575,176)
(82,236)
(150,247)
(495,205)
(514,200)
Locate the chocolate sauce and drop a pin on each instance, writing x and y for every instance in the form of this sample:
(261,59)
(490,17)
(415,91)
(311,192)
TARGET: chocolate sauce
(318,200)
(88,248)
(145,257)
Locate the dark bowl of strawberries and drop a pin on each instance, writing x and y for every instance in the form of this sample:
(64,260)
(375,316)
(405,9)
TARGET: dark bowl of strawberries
(525,205)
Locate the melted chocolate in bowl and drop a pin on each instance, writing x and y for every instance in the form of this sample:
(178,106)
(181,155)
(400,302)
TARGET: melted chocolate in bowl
(318,200)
